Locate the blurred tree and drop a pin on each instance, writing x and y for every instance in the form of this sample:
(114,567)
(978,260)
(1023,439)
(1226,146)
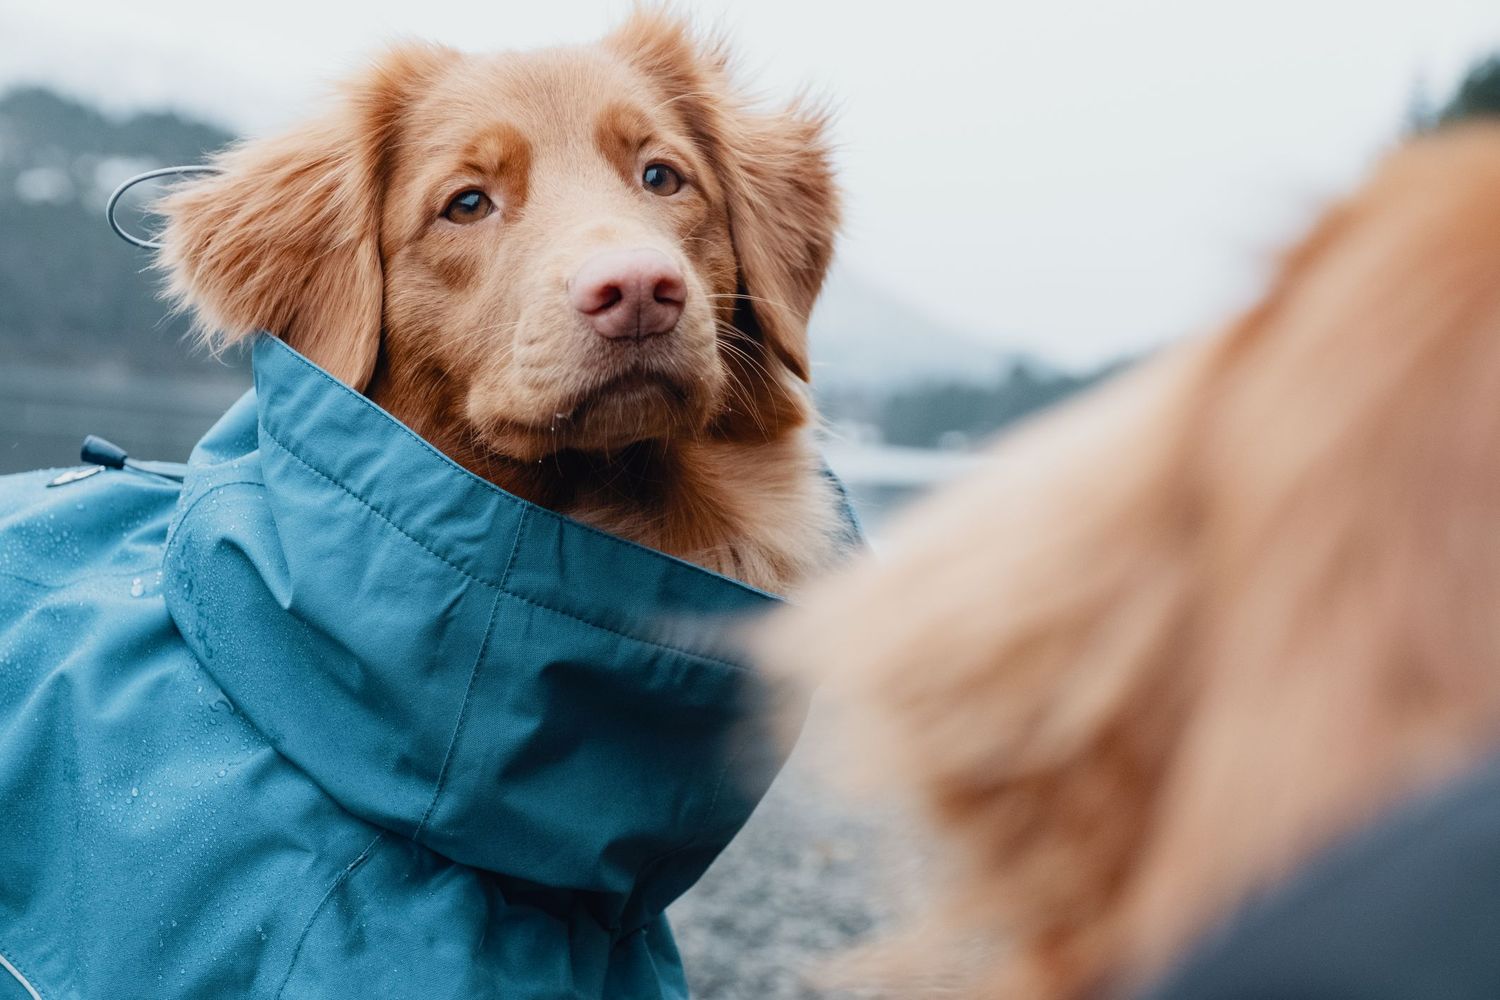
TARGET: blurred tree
(70,290)
(1478,95)
(85,344)
(948,414)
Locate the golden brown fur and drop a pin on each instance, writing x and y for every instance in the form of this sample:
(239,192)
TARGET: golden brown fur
(334,237)
(1185,632)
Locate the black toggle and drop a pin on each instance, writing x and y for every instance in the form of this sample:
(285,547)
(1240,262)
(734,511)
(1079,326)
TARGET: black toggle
(97,451)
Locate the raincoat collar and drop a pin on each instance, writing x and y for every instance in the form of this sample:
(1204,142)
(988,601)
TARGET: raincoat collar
(508,687)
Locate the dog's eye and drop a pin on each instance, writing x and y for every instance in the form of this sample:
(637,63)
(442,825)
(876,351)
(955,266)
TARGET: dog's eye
(468,206)
(659,178)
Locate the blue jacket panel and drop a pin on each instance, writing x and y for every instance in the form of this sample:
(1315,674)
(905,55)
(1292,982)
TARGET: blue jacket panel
(335,717)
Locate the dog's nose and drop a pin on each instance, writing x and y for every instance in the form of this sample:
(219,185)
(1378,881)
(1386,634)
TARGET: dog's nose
(629,294)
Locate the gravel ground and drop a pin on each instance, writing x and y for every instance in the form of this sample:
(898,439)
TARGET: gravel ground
(810,876)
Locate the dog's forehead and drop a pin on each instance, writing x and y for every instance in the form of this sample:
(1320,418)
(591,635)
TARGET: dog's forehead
(553,97)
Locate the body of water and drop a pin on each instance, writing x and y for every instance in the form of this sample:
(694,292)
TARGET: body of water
(45,411)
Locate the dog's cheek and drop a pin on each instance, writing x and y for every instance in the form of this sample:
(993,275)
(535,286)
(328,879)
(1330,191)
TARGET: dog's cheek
(414,307)
(719,272)
(701,327)
(515,371)
(707,245)
(454,269)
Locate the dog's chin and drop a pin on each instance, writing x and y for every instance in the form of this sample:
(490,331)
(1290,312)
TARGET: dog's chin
(630,409)
(623,411)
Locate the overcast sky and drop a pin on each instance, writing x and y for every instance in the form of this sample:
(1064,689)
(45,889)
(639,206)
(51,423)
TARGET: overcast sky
(1080,179)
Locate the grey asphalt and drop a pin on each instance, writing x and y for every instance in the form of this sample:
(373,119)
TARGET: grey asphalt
(811,876)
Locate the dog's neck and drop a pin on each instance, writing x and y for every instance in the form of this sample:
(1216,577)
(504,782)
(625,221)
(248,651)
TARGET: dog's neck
(744,498)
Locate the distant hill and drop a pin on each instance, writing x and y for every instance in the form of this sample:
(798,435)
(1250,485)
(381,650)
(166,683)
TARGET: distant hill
(1477,96)
(70,290)
(864,338)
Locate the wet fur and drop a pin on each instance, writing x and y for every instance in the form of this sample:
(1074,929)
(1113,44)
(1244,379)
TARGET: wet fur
(1183,633)
(328,236)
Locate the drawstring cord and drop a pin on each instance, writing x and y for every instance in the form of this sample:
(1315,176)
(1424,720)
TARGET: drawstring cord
(114,199)
(99,454)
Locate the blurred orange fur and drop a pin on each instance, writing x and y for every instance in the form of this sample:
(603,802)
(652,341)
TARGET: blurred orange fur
(1184,632)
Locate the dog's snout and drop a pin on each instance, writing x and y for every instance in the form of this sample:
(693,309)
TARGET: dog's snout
(629,294)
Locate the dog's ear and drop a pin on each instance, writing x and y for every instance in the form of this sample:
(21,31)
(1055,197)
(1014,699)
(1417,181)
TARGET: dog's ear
(287,238)
(776,173)
(783,214)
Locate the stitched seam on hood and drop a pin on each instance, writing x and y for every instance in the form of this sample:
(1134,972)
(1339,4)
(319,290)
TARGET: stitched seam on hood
(490,583)
(318,910)
(78,580)
(377,512)
(463,717)
(515,547)
(691,654)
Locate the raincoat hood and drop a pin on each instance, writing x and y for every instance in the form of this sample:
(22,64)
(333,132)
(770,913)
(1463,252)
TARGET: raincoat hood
(451,662)
(366,703)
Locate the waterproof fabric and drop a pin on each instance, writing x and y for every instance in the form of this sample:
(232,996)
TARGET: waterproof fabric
(336,718)
(1407,909)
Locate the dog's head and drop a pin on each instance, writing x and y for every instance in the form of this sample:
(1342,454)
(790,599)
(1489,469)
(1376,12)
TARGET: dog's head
(526,253)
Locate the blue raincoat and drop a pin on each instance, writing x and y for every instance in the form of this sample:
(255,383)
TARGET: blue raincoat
(336,718)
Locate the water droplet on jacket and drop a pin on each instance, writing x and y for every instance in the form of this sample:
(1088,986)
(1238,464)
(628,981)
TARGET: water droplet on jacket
(134,792)
(137,587)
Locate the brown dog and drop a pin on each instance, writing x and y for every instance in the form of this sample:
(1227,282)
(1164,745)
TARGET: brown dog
(1186,632)
(584,274)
